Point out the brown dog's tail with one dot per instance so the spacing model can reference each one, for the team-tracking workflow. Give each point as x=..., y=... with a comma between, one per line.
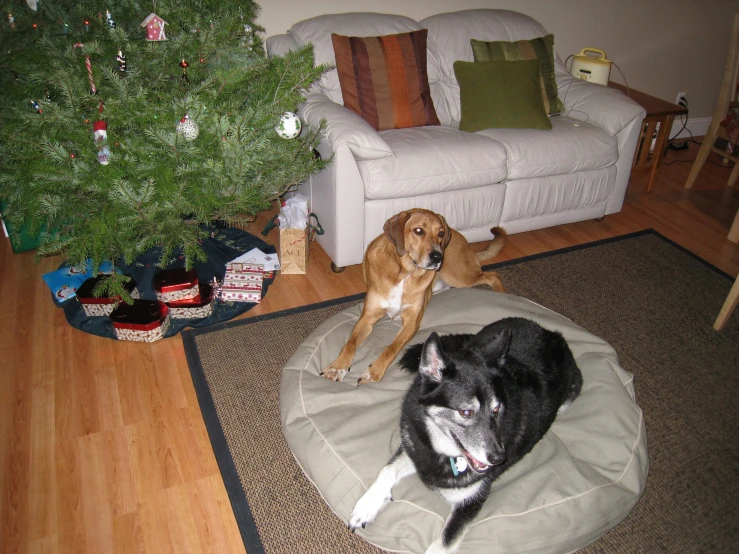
x=495, y=246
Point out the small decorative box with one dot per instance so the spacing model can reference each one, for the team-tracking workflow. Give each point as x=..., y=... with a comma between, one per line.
x=200, y=306
x=142, y=321
x=242, y=292
x=172, y=285
x=103, y=305
x=243, y=266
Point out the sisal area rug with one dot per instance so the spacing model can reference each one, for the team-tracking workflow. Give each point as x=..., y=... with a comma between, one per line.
x=654, y=302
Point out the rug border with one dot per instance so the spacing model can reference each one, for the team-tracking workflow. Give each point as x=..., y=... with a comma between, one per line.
x=237, y=495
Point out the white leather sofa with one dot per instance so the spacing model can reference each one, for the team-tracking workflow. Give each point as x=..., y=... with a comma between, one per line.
x=520, y=179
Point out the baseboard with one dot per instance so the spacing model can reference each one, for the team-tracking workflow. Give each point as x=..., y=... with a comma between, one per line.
x=698, y=126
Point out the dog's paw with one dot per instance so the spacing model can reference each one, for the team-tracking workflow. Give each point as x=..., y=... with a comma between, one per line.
x=367, y=377
x=334, y=374
x=366, y=509
x=437, y=547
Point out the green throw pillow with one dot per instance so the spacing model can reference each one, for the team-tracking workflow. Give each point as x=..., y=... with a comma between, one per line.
x=501, y=95
x=541, y=49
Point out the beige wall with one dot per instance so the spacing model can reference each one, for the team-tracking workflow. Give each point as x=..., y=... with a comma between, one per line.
x=662, y=46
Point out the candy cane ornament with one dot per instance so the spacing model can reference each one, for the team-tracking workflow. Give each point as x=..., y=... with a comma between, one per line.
x=88, y=65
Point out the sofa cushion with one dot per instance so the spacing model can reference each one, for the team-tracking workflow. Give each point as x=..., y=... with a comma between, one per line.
x=384, y=80
x=449, y=41
x=541, y=48
x=501, y=94
x=433, y=159
x=317, y=31
x=570, y=146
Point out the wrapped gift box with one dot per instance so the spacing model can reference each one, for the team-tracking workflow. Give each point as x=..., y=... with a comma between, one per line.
x=243, y=282
x=200, y=306
x=103, y=305
x=142, y=321
x=241, y=292
x=172, y=285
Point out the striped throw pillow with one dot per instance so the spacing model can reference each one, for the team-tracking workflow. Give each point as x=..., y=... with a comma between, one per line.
x=541, y=48
x=384, y=79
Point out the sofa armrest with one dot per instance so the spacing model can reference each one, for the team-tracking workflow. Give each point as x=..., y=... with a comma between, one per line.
x=606, y=107
x=279, y=45
x=344, y=127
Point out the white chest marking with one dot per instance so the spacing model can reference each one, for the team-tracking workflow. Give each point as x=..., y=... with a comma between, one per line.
x=393, y=303
x=461, y=495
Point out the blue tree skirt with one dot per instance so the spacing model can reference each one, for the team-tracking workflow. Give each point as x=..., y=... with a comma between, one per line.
x=221, y=247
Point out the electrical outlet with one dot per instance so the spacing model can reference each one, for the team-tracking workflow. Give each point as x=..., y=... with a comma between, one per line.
x=682, y=99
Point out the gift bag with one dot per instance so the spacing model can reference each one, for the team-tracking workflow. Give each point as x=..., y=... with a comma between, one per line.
x=294, y=250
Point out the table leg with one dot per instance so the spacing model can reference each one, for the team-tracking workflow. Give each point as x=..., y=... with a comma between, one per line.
x=663, y=135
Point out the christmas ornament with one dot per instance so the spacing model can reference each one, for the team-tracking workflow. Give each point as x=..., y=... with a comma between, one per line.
x=184, y=65
x=109, y=19
x=121, y=59
x=87, y=25
x=32, y=4
x=88, y=65
x=100, y=131
x=289, y=126
x=36, y=106
x=188, y=129
x=11, y=20
x=104, y=155
x=154, y=27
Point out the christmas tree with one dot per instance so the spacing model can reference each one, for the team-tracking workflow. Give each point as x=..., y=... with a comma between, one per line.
x=131, y=125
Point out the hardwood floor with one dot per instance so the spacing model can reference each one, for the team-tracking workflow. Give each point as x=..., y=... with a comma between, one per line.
x=102, y=444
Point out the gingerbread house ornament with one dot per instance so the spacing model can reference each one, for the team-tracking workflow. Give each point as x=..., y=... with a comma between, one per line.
x=154, y=27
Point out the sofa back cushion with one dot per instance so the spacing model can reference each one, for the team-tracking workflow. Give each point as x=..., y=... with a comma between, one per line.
x=384, y=80
x=318, y=30
x=449, y=40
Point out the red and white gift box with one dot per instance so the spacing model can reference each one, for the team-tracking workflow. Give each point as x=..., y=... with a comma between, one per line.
x=101, y=305
x=172, y=285
x=142, y=321
x=243, y=282
x=191, y=308
x=241, y=292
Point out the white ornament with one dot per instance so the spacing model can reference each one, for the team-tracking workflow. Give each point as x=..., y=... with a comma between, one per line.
x=104, y=155
x=289, y=126
x=188, y=129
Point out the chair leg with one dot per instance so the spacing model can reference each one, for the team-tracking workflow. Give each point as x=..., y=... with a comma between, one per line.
x=702, y=156
x=728, y=308
x=734, y=231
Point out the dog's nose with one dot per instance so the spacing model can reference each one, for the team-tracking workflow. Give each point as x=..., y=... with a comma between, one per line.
x=496, y=458
x=436, y=257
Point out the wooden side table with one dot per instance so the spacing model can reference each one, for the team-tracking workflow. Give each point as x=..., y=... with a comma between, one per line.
x=660, y=115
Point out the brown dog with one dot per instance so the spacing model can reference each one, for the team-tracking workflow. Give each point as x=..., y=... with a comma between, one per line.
x=401, y=268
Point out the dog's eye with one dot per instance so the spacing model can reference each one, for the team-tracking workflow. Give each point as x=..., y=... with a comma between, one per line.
x=441, y=234
x=466, y=413
x=418, y=231
x=496, y=410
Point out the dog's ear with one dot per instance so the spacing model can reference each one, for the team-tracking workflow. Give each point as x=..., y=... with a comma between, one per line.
x=394, y=229
x=447, y=232
x=498, y=347
x=433, y=360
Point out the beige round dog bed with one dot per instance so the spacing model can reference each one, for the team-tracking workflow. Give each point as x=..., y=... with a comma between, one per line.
x=582, y=479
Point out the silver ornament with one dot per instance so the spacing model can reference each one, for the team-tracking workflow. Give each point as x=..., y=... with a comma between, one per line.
x=188, y=129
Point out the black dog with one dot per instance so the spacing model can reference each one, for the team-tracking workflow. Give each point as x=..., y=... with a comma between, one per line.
x=479, y=403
